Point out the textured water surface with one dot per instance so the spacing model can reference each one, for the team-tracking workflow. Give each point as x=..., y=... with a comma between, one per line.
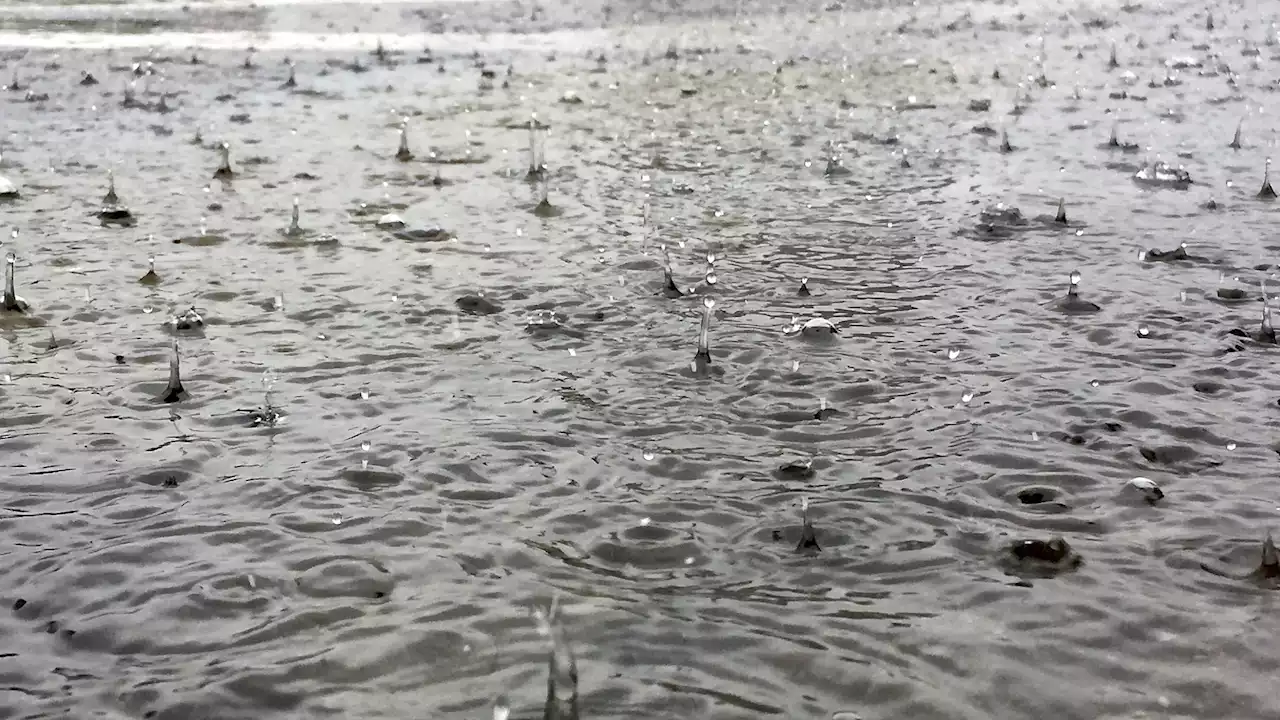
x=438, y=472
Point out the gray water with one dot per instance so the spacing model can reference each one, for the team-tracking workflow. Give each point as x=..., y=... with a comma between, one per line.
x=179, y=561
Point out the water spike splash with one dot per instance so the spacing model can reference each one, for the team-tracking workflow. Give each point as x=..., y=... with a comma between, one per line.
x=702, y=360
x=1267, y=193
x=1114, y=140
x=537, y=150
x=669, y=287
x=562, y=667
x=295, y=229
x=804, y=288
x=1005, y=146
x=1235, y=139
x=173, y=390
x=150, y=278
x=808, y=535
x=224, y=170
x=111, y=198
x=292, y=80
x=12, y=303
x=1061, y=217
x=1113, y=62
x=403, y=154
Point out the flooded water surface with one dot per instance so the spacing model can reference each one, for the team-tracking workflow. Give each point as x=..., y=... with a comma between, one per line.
x=813, y=360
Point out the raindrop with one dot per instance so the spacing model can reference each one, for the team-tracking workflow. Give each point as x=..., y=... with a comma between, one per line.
x=953, y=353
x=1231, y=446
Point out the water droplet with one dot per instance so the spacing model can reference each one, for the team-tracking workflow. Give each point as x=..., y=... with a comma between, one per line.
x=709, y=302
x=364, y=395
x=711, y=278
x=1075, y=277
x=366, y=445
x=1093, y=383
x=7, y=380
x=336, y=519
x=645, y=522
x=795, y=366
x=1182, y=296
x=1231, y=446
x=967, y=396
x=1035, y=436
x=148, y=309
x=1143, y=331
x=953, y=353
x=647, y=455
x=573, y=353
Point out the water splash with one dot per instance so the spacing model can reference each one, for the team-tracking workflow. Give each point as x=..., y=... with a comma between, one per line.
x=150, y=278
x=702, y=359
x=1235, y=139
x=537, y=150
x=12, y=303
x=173, y=390
x=669, y=287
x=562, y=666
x=808, y=534
x=403, y=154
x=224, y=170
x=1266, y=193
x=294, y=229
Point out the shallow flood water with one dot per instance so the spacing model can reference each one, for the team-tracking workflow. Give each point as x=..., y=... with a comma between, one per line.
x=495, y=406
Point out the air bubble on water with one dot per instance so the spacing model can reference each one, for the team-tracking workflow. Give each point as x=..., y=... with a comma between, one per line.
x=148, y=309
x=364, y=392
x=1231, y=446
x=336, y=519
x=1143, y=331
x=647, y=454
x=967, y=396
x=711, y=277
x=953, y=353
x=709, y=302
x=1093, y=383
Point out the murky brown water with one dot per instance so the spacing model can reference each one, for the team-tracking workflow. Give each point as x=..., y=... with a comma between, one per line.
x=174, y=561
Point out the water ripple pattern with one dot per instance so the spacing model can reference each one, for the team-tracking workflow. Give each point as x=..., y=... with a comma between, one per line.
x=398, y=435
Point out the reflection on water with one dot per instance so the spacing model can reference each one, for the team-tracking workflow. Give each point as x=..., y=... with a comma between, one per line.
x=899, y=484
